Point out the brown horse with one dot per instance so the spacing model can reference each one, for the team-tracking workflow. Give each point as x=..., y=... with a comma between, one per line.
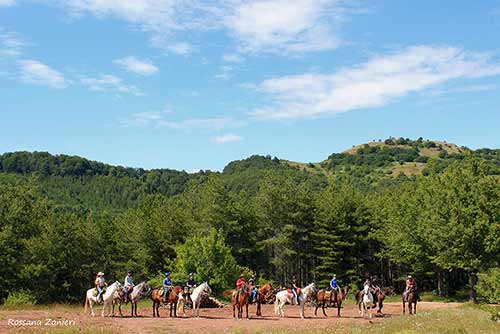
x=411, y=299
x=241, y=299
x=262, y=296
x=326, y=298
x=172, y=299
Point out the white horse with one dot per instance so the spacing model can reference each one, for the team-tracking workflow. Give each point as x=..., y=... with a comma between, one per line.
x=107, y=297
x=367, y=301
x=284, y=297
x=137, y=293
x=197, y=295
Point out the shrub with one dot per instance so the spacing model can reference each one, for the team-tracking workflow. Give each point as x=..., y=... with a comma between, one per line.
x=17, y=298
x=488, y=287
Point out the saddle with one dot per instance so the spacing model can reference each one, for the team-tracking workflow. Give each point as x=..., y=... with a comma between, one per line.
x=95, y=293
x=328, y=294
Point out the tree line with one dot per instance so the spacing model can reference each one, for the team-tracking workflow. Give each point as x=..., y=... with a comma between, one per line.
x=442, y=227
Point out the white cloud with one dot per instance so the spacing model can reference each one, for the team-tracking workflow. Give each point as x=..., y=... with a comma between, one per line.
x=7, y=3
x=232, y=58
x=227, y=138
x=11, y=43
x=33, y=71
x=258, y=25
x=110, y=83
x=181, y=48
x=163, y=119
x=283, y=25
x=225, y=73
x=137, y=66
x=374, y=83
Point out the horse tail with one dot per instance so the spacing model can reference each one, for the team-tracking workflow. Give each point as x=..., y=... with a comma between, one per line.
x=276, y=306
x=227, y=293
x=85, y=304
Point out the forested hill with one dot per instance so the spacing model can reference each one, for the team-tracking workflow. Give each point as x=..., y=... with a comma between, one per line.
x=76, y=181
x=385, y=208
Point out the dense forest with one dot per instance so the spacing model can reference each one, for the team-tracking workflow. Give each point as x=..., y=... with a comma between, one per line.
x=386, y=208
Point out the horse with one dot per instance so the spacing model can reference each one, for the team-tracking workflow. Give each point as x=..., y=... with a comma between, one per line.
x=197, y=295
x=285, y=296
x=411, y=299
x=262, y=295
x=366, y=301
x=134, y=296
x=335, y=299
x=240, y=298
x=172, y=300
x=378, y=297
x=107, y=297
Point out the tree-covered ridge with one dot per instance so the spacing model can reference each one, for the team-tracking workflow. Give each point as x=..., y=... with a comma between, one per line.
x=261, y=214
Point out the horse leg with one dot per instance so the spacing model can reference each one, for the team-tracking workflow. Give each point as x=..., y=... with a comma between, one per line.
x=339, y=306
x=91, y=307
x=404, y=311
x=247, y=310
x=175, y=310
x=323, y=309
x=415, y=308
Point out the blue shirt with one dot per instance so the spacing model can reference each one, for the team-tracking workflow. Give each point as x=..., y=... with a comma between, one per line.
x=333, y=283
x=167, y=282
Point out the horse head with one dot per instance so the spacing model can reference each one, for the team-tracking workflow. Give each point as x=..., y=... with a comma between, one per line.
x=366, y=289
x=205, y=288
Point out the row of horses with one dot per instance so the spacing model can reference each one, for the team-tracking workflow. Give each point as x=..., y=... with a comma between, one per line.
x=366, y=299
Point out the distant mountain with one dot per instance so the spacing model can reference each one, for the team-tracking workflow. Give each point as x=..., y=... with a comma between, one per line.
x=79, y=182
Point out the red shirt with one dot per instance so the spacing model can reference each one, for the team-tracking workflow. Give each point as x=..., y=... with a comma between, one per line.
x=239, y=283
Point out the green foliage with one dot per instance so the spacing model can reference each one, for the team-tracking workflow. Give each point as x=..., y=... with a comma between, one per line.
x=209, y=258
x=488, y=287
x=63, y=219
x=20, y=298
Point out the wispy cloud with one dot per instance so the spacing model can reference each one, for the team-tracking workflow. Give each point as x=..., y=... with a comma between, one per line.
x=227, y=138
x=258, y=25
x=232, y=58
x=374, y=83
x=462, y=90
x=11, y=43
x=110, y=83
x=163, y=119
x=134, y=65
x=283, y=25
x=33, y=71
x=7, y=3
x=225, y=72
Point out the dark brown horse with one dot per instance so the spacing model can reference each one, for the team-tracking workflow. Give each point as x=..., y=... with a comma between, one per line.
x=412, y=300
x=241, y=299
x=326, y=298
x=262, y=297
x=172, y=299
x=378, y=298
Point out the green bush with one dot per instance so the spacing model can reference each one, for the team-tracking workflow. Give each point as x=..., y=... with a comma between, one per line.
x=488, y=287
x=17, y=298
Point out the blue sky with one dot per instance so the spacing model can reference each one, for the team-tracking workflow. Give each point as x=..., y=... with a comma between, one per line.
x=193, y=84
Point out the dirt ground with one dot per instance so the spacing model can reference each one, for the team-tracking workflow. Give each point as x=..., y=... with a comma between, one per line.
x=210, y=321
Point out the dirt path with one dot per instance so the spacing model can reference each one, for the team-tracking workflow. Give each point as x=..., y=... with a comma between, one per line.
x=211, y=320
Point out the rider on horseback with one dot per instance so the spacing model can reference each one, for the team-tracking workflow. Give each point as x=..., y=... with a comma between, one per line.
x=167, y=286
x=294, y=287
x=190, y=285
x=100, y=284
x=253, y=287
x=411, y=284
x=334, y=286
x=128, y=285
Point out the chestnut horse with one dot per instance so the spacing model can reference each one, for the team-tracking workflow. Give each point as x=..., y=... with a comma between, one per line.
x=262, y=295
x=411, y=299
x=333, y=298
x=172, y=299
x=241, y=299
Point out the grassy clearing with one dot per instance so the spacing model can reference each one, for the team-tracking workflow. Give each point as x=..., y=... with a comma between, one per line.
x=460, y=320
